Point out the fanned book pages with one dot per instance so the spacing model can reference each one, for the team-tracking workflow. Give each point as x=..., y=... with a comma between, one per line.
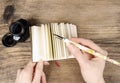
x=46, y=46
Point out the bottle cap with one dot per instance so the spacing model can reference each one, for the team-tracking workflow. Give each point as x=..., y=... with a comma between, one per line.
x=20, y=29
x=16, y=28
x=8, y=40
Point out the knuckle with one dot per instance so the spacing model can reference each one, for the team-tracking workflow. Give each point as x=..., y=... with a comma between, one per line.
x=90, y=41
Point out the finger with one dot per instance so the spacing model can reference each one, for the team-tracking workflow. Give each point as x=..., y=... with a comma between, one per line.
x=38, y=72
x=77, y=53
x=100, y=61
x=87, y=55
x=46, y=63
x=29, y=67
x=18, y=72
x=89, y=44
x=43, y=78
x=28, y=70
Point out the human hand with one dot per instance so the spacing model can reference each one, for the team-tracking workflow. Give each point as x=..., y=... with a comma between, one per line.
x=91, y=67
x=32, y=73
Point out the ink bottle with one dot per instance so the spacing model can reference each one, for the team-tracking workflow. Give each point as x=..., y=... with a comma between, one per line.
x=19, y=32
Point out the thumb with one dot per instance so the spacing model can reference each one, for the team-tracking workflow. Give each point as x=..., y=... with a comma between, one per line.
x=76, y=53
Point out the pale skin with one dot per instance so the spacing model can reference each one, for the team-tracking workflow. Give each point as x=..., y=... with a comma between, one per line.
x=91, y=67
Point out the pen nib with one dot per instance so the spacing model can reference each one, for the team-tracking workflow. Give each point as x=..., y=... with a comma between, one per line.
x=60, y=37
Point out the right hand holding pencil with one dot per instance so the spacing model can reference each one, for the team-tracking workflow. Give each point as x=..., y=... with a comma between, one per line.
x=91, y=67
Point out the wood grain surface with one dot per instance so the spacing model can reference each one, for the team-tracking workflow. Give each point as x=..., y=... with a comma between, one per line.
x=98, y=20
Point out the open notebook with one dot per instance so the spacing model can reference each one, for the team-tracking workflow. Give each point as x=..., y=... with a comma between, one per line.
x=48, y=47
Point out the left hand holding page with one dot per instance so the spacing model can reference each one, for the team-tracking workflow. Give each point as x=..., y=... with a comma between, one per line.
x=31, y=73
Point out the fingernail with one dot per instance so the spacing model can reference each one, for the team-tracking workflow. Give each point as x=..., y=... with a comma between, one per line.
x=47, y=63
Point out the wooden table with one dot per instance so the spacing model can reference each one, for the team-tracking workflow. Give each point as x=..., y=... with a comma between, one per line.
x=98, y=20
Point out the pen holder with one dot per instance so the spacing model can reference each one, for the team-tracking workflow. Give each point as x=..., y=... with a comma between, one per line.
x=19, y=32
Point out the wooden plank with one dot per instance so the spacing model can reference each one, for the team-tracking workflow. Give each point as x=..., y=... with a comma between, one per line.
x=98, y=20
